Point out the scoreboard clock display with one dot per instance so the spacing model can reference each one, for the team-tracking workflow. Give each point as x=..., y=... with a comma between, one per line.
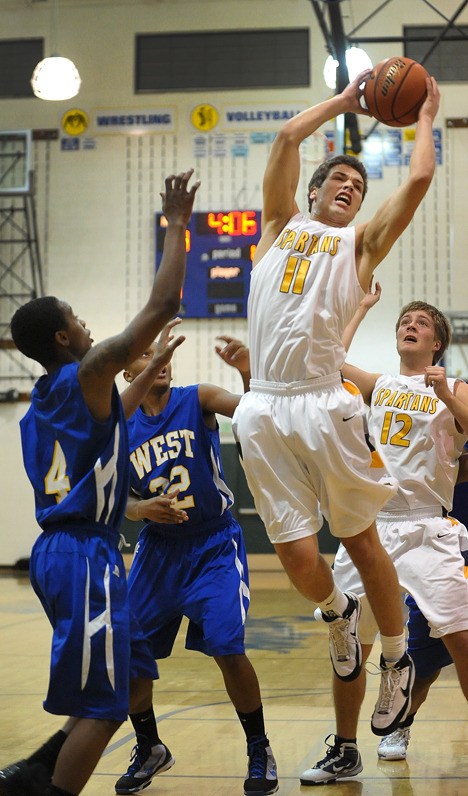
x=220, y=246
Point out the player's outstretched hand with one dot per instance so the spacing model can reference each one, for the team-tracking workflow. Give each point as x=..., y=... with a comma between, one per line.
x=354, y=91
x=431, y=104
x=177, y=200
x=165, y=346
x=372, y=296
x=234, y=353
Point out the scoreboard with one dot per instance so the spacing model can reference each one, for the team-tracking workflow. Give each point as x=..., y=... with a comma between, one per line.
x=220, y=246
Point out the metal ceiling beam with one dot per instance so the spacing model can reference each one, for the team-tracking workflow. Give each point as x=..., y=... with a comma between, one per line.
x=339, y=41
x=329, y=43
x=385, y=39
x=369, y=17
x=442, y=33
x=436, y=10
x=342, y=78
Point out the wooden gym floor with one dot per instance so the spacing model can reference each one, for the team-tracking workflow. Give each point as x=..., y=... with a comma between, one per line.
x=196, y=719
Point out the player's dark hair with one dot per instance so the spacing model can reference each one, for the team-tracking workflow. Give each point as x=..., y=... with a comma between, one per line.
x=443, y=329
x=319, y=176
x=33, y=328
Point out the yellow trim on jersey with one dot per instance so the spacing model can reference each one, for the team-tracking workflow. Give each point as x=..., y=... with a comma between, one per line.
x=351, y=387
x=376, y=461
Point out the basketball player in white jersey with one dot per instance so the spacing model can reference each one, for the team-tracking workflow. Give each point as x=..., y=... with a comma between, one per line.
x=418, y=425
x=299, y=430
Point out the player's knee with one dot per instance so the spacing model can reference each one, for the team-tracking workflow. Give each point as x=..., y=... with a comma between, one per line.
x=230, y=663
x=365, y=549
x=299, y=558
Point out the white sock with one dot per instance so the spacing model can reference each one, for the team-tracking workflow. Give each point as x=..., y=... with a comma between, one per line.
x=393, y=648
x=336, y=603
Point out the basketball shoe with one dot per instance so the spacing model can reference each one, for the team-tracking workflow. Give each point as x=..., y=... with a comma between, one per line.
x=345, y=648
x=23, y=779
x=395, y=745
x=145, y=763
x=342, y=760
x=394, y=698
x=262, y=777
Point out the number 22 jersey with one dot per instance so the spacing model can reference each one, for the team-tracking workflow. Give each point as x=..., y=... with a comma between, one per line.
x=176, y=450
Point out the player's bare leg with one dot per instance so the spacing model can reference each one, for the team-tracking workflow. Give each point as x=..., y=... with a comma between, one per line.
x=308, y=571
x=81, y=753
x=457, y=645
x=242, y=686
x=379, y=578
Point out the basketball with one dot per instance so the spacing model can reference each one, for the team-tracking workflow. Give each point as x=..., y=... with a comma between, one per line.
x=395, y=91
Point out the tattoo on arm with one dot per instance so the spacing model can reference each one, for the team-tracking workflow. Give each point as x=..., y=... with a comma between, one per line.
x=114, y=351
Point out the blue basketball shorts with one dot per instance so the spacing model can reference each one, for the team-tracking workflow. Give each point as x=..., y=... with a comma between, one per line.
x=96, y=644
x=429, y=654
x=203, y=577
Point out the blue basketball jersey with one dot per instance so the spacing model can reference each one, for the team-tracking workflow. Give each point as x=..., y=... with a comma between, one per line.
x=78, y=466
x=176, y=449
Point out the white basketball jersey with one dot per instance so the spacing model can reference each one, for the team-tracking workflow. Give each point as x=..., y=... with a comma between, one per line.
x=303, y=293
x=416, y=438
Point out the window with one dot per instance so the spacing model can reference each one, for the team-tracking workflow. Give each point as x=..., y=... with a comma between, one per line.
x=222, y=60
x=449, y=60
x=18, y=58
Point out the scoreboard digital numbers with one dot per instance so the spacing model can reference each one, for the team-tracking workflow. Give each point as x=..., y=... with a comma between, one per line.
x=220, y=247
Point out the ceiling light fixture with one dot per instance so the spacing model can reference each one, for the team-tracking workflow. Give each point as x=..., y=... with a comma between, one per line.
x=356, y=60
x=55, y=78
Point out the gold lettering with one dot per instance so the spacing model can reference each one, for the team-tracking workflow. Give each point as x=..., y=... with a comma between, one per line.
x=389, y=401
x=187, y=435
x=313, y=245
x=141, y=460
x=334, y=249
x=425, y=403
x=287, y=240
x=380, y=397
x=173, y=444
x=280, y=240
x=160, y=455
x=325, y=243
x=403, y=400
x=300, y=244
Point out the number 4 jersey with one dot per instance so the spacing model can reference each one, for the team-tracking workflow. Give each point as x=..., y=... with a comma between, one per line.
x=417, y=440
x=77, y=465
x=176, y=450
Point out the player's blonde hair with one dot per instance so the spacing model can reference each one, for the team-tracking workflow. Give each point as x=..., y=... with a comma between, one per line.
x=443, y=329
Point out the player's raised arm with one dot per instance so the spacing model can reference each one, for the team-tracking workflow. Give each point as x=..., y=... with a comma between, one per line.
x=138, y=388
x=361, y=378
x=371, y=298
x=236, y=354
x=217, y=400
x=101, y=364
x=283, y=168
x=457, y=401
x=375, y=239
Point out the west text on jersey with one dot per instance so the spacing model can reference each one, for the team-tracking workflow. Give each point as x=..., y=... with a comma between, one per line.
x=162, y=448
